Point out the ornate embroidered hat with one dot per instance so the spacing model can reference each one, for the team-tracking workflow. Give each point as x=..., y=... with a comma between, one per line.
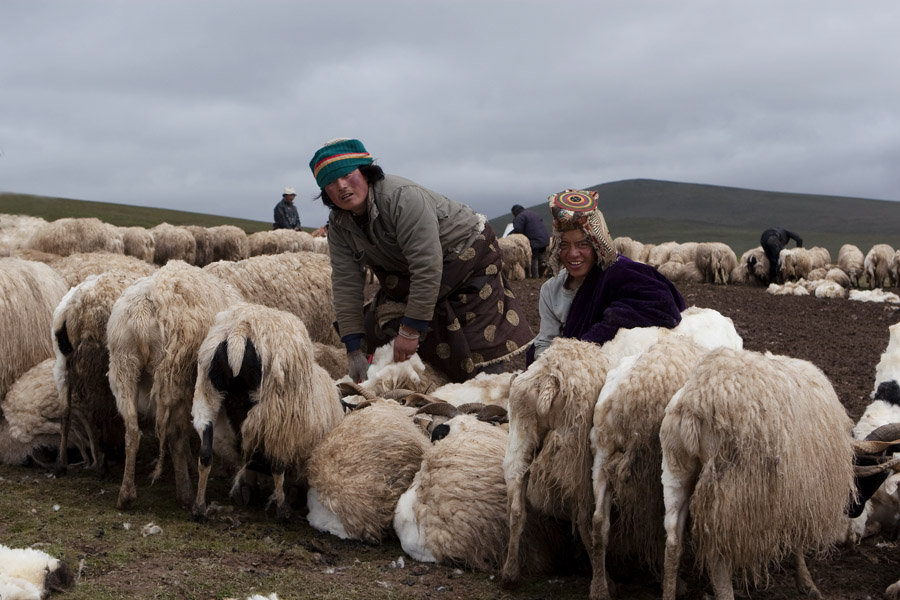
x=577, y=209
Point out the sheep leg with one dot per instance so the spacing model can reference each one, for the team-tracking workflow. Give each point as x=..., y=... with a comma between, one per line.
x=803, y=577
x=128, y=410
x=677, y=490
x=893, y=591
x=62, y=456
x=600, y=537
x=283, y=508
x=720, y=576
x=515, y=466
x=181, y=452
x=204, y=466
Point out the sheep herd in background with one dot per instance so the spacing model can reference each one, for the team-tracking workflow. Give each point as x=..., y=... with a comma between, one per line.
x=113, y=333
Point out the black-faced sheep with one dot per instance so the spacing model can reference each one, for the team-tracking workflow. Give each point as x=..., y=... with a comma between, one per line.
x=154, y=333
x=82, y=363
x=256, y=365
x=878, y=265
x=358, y=472
x=297, y=282
x=30, y=291
x=29, y=574
x=756, y=448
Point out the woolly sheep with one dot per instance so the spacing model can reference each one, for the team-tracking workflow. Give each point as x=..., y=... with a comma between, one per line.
x=229, y=243
x=257, y=363
x=31, y=414
x=877, y=265
x=626, y=246
x=173, y=243
x=454, y=512
x=852, y=262
x=77, y=267
x=715, y=261
x=757, y=265
x=627, y=454
x=660, y=253
x=320, y=246
x=516, y=250
x=756, y=449
x=82, y=363
x=203, y=252
x=358, y=472
x=138, y=242
x=29, y=574
x=794, y=264
x=277, y=241
x=331, y=358
x=70, y=235
x=297, y=282
x=895, y=268
x=16, y=230
x=830, y=289
x=30, y=291
x=154, y=333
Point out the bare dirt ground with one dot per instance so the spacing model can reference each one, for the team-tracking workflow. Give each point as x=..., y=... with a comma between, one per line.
x=239, y=552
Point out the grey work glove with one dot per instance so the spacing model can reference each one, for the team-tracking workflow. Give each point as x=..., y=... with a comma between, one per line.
x=358, y=364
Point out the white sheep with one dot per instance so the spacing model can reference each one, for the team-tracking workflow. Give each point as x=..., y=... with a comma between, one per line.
x=71, y=235
x=257, y=363
x=154, y=333
x=30, y=291
x=228, y=242
x=454, y=512
x=138, y=242
x=82, y=363
x=794, y=264
x=878, y=265
x=29, y=574
x=756, y=264
x=77, y=267
x=29, y=428
x=203, y=252
x=358, y=472
x=659, y=253
x=516, y=250
x=852, y=261
x=296, y=282
x=895, y=268
x=626, y=246
x=756, y=449
x=715, y=261
x=173, y=243
x=15, y=231
x=277, y=241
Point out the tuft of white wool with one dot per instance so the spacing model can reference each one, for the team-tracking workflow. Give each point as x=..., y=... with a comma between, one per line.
x=412, y=374
x=486, y=388
x=876, y=295
x=407, y=527
x=830, y=289
x=26, y=572
x=787, y=289
x=322, y=518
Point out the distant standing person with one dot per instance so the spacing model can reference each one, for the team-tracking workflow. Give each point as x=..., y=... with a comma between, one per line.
x=531, y=225
x=286, y=216
x=773, y=242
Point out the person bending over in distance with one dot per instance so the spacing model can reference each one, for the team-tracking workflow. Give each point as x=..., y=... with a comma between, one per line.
x=442, y=292
x=531, y=225
x=773, y=242
x=597, y=292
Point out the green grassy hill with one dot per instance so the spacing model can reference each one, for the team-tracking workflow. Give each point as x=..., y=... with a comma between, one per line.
x=654, y=211
x=122, y=215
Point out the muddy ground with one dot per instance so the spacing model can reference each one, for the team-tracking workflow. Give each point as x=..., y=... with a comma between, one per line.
x=241, y=552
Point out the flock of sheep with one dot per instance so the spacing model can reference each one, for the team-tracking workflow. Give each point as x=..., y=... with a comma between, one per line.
x=658, y=444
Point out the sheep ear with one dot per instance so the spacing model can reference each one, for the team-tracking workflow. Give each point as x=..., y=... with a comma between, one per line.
x=548, y=393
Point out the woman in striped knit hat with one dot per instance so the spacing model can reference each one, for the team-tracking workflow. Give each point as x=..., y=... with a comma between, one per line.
x=442, y=292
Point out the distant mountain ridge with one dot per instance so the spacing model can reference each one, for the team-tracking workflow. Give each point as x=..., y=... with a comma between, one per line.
x=655, y=211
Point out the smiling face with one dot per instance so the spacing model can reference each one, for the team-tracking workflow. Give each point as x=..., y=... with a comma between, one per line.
x=349, y=192
x=577, y=255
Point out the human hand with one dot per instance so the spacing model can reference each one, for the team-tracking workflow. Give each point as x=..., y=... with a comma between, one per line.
x=405, y=346
x=358, y=366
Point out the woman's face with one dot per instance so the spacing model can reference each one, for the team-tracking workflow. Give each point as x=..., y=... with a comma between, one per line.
x=349, y=192
x=576, y=254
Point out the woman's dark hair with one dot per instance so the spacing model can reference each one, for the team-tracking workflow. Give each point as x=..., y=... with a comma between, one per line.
x=371, y=173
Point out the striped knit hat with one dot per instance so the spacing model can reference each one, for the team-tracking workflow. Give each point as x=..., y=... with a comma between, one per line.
x=577, y=209
x=337, y=158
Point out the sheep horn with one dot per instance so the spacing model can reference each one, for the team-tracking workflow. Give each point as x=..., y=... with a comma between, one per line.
x=398, y=394
x=890, y=431
x=444, y=409
x=471, y=407
x=493, y=413
x=867, y=471
x=348, y=388
x=418, y=399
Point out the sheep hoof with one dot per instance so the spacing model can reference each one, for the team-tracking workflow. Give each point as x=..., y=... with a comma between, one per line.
x=198, y=513
x=60, y=470
x=508, y=582
x=242, y=495
x=284, y=512
x=125, y=500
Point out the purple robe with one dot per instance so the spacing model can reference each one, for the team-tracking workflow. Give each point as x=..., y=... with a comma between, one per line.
x=625, y=295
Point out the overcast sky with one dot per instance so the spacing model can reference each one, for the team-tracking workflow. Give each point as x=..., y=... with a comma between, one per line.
x=215, y=106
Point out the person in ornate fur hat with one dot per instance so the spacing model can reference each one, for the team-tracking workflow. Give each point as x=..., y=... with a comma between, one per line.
x=597, y=291
x=442, y=292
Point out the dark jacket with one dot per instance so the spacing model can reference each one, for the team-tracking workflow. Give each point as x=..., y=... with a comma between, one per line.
x=530, y=224
x=286, y=216
x=779, y=236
